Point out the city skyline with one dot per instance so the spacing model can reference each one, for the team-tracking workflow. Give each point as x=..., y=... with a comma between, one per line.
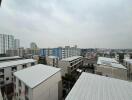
x=53, y=23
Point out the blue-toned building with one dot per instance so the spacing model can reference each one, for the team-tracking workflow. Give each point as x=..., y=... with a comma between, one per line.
x=57, y=52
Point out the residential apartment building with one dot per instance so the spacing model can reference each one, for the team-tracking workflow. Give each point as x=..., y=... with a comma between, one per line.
x=8, y=68
x=52, y=61
x=61, y=52
x=111, y=68
x=46, y=52
x=40, y=82
x=128, y=64
x=96, y=87
x=16, y=43
x=16, y=52
x=6, y=43
x=70, y=65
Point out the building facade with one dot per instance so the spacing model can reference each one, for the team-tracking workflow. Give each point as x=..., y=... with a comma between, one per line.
x=70, y=65
x=52, y=61
x=45, y=85
x=16, y=43
x=111, y=68
x=6, y=43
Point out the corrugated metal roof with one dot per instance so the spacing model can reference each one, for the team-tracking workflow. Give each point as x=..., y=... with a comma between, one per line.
x=13, y=63
x=35, y=75
x=71, y=58
x=95, y=87
x=13, y=57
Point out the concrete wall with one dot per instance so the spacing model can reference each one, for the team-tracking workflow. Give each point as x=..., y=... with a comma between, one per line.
x=48, y=90
x=111, y=72
x=64, y=67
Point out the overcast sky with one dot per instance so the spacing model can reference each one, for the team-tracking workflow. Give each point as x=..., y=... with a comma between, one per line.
x=52, y=23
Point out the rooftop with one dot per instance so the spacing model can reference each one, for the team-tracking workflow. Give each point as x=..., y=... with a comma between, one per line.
x=6, y=58
x=35, y=75
x=95, y=87
x=106, y=61
x=128, y=60
x=53, y=57
x=71, y=58
x=17, y=62
x=118, y=66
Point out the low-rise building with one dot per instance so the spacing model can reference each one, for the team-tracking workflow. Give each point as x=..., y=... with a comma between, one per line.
x=4, y=59
x=40, y=82
x=52, y=61
x=128, y=64
x=96, y=87
x=71, y=64
x=111, y=68
x=8, y=68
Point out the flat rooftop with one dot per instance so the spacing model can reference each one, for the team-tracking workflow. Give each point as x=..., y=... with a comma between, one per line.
x=17, y=62
x=115, y=65
x=104, y=60
x=8, y=58
x=35, y=75
x=71, y=58
x=128, y=60
x=96, y=87
x=52, y=57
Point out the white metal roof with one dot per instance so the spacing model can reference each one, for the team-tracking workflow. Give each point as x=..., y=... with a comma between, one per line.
x=104, y=60
x=17, y=62
x=13, y=57
x=35, y=75
x=118, y=66
x=95, y=87
x=71, y=58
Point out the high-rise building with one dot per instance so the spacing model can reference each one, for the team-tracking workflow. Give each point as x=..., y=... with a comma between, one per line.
x=16, y=43
x=6, y=43
x=33, y=45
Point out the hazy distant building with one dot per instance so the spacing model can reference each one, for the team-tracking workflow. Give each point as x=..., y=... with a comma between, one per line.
x=6, y=43
x=33, y=45
x=16, y=43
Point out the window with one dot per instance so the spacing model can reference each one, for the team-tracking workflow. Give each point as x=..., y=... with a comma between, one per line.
x=7, y=78
x=19, y=83
x=32, y=64
x=26, y=90
x=24, y=66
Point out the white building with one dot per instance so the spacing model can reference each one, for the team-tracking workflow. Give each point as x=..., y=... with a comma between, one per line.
x=40, y=82
x=111, y=68
x=8, y=68
x=96, y=87
x=71, y=64
x=4, y=59
x=6, y=43
x=52, y=61
x=16, y=43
